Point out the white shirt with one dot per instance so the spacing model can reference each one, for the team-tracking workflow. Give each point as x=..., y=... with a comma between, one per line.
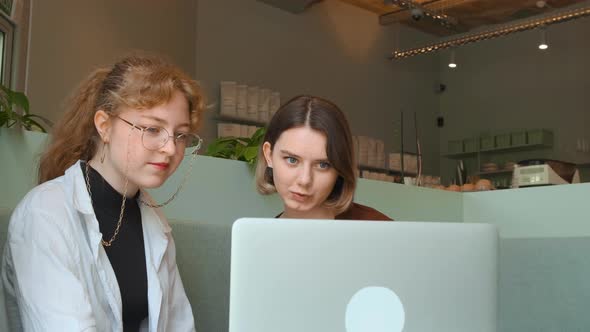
x=56, y=272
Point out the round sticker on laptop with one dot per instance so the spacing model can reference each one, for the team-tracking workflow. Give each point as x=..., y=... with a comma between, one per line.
x=375, y=309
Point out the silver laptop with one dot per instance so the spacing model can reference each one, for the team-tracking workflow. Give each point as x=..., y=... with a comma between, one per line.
x=362, y=276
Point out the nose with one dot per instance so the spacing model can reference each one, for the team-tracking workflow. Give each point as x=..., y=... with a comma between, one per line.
x=305, y=176
x=170, y=147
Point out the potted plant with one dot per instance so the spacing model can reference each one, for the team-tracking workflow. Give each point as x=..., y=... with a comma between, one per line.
x=10, y=103
x=237, y=148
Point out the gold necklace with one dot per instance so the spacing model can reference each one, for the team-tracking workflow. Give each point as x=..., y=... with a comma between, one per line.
x=186, y=174
x=109, y=242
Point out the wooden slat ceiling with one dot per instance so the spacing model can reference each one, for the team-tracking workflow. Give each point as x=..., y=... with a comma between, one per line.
x=465, y=14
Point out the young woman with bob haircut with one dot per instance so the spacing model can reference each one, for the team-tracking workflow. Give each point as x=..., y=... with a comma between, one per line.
x=308, y=159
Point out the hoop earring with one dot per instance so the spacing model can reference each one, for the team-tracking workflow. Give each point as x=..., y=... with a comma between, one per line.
x=104, y=152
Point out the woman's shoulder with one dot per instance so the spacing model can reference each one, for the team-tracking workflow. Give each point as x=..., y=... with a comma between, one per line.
x=47, y=201
x=49, y=195
x=362, y=212
x=55, y=195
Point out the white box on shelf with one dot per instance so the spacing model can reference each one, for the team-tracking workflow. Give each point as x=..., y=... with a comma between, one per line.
x=380, y=153
x=253, y=93
x=263, y=105
x=242, y=101
x=274, y=103
x=372, y=152
x=244, y=130
x=410, y=162
x=228, y=98
x=355, y=149
x=251, y=130
x=228, y=130
x=363, y=142
x=395, y=162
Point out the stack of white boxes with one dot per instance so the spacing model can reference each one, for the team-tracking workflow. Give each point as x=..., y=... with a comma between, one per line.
x=264, y=105
x=235, y=130
x=240, y=102
x=363, y=150
x=410, y=162
x=253, y=93
x=228, y=99
x=370, y=152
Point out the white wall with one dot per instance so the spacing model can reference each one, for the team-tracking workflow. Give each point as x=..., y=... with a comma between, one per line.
x=508, y=83
x=333, y=50
x=70, y=38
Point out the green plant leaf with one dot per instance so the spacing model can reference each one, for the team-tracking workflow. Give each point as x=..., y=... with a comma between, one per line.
x=250, y=153
x=4, y=117
x=11, y=100
x=258, y=136
x=220, y=148
x=239, y=152
x=237, y=148
x=30, y=124
x=20, y=100
x=4, y=105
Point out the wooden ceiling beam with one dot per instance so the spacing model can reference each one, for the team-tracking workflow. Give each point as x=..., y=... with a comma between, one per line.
x=377, y=7
x=402, y=14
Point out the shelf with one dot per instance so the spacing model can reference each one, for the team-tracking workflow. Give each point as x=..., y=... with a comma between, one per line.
x=460, y=155
x=517, y=148
x=500, y=171
x=385, y=170
x=238, y=120
x=513, y=148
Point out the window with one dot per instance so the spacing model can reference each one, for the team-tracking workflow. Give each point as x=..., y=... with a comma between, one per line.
x=6, y=45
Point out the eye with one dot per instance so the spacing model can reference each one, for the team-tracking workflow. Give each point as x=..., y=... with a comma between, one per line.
x=291, y=160
x=324, y=165
x=154, y=131
x=181, y=137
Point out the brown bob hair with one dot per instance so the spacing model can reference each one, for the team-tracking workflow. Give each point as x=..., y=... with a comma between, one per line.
x=137, y=81
x=324, y=116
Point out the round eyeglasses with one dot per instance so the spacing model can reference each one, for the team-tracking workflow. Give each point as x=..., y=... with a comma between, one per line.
x=154, y=138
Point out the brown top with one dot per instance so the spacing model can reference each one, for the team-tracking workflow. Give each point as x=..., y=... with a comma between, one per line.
x=362, y=212
x=359, y=212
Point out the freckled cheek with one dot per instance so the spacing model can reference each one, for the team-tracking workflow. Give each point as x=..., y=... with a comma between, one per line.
x=283, y=177
x=131, y=144
x=175, y=162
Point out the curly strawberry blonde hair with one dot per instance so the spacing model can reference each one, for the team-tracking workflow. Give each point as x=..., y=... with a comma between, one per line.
x=139, y=82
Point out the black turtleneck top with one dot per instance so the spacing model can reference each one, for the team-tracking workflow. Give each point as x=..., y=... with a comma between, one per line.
x=127, y=252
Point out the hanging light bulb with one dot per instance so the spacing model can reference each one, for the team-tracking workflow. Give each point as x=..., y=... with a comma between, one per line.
x=543, y=44
x=452, y=63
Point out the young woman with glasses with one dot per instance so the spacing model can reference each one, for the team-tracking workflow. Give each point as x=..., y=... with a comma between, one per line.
x=87, y=248
x=308, y=159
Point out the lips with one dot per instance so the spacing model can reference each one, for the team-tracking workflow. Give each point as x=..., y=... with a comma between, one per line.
x=160, y=166
x=299, y=197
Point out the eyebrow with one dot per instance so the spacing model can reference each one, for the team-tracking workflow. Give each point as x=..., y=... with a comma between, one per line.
x=296, y=156
x=162, y=121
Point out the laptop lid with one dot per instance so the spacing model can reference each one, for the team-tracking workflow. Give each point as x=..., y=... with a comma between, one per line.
x=353, y=276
